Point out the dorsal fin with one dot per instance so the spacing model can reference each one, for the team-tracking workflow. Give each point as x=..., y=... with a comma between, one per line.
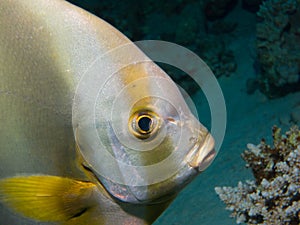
x=47, y=198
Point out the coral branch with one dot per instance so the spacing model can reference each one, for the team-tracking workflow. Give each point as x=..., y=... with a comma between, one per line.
x=274, y=196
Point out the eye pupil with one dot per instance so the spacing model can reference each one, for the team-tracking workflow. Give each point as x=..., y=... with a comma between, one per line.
x=145, y=123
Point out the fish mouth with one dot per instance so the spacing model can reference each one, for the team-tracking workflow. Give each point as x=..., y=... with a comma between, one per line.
x=202, y=153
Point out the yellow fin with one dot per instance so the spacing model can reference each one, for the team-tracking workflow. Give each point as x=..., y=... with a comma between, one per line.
x=47, y=198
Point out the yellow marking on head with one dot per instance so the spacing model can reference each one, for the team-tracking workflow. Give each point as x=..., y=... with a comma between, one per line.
x=139, y=79
x=132, y=73
x=47, y=198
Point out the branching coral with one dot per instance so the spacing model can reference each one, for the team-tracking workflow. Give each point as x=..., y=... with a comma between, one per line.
x=274, y=196
x=278, y=36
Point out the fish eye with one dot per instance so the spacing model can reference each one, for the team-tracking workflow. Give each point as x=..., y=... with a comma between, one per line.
x=143, y=124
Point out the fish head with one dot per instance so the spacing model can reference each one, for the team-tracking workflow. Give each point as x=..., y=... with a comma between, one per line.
x=145, y=144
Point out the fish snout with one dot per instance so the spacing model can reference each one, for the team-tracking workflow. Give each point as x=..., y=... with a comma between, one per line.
x=202, y=153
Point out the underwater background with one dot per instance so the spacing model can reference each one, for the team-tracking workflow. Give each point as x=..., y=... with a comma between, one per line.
x=253, y=48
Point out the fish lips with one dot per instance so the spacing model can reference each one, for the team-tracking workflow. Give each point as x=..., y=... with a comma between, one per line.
x=202, y=153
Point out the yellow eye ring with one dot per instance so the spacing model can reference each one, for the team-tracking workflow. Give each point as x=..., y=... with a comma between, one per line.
x=143, y=124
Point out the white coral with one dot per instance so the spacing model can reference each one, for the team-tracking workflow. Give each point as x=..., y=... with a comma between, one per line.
x=270, y=201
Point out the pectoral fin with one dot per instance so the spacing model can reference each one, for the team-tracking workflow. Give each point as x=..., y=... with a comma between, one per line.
x=47, y=198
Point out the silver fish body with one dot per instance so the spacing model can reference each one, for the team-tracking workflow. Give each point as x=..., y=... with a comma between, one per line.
x=69, y=80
